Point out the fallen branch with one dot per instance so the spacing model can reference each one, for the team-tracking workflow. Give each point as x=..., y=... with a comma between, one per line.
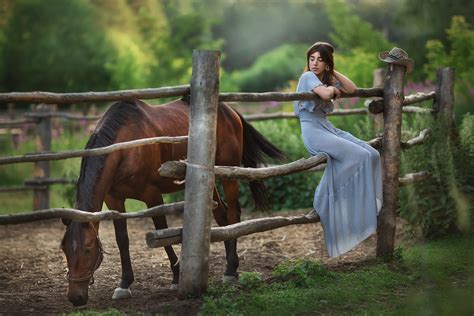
x=92, y=152
x=171, y=236
x=82, y=216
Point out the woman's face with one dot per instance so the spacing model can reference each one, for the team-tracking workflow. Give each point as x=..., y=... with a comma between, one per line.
x=316, y=64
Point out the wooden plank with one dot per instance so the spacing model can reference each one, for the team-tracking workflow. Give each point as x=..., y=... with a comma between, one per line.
x=194, y=263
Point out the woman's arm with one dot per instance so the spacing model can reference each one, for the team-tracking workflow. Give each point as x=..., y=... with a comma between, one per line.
x=347, y=85
x=326, y=93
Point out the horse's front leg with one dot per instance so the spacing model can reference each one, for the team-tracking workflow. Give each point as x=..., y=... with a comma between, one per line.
x=153, y=198
x=231, y=191
x=121, y=237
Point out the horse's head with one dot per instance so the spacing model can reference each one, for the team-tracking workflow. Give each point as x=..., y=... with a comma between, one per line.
x=84, y=254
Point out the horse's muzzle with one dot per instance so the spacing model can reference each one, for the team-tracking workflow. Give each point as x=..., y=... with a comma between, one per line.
x=77, y=296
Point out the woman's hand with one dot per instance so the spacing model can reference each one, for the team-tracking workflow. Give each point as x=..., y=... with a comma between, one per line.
x=337, y=93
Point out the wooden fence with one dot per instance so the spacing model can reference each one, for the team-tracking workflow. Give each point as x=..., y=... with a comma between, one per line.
x=197, y=233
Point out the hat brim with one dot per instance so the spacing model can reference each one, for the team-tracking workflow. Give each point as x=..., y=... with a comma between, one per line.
x=408, y=62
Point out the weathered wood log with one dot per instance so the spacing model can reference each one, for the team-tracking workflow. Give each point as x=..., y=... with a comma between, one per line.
x=418, y=98
x=416, y=177
x=65, y=115
x=393, y=101
x=378, y=82
x=292, y=96
x=92, y=152
x=171, y=236
x=200, y=179
x=14, y=123
x=376, y=106
x=82, y=216
x=42, y=168
x=63, y=98
x=47, y=181
x=291, y=115
x=20, y=188
x=420, y=139
x=444, y=101
x=417, y=109
x=177, y=169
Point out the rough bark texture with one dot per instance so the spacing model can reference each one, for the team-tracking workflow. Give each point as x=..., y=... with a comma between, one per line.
x=92, y=152
x=42, y=168
x=393, y=101
x=194, y=263
x=171, y=236
x=82, y=216
x=49, y=97
x=444, y=100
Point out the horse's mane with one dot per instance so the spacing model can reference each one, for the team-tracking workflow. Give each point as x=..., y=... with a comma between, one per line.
x=104, y=135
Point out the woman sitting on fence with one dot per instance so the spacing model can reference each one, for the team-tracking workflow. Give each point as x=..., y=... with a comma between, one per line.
x=349, y=196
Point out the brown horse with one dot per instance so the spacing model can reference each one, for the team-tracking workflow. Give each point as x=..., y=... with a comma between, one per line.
x=133, y=174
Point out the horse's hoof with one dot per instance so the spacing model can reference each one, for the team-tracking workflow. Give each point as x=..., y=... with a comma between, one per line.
x=120, y=294
x=174, y=287
x=230, y=279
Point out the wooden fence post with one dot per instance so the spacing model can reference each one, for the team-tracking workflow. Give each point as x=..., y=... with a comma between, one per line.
x=194, y=265
x=378, y=82
x=42, y=168
x=392, y=115
x=444, y=98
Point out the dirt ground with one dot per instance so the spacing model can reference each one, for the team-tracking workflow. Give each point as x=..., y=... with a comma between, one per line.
x=33, y=269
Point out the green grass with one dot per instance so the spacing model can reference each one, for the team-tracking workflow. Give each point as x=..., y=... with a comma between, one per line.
x=431, y=279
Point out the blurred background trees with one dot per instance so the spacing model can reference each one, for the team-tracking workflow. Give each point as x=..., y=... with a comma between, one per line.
x=80, y=45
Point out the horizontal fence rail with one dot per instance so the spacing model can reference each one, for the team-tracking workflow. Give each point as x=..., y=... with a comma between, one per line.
x=177, y=169
x=171, y=236
x=66, y=115
x=94, y=151
x=175, y=91
x=376, y=106
x=82, y=216
x=77, y=97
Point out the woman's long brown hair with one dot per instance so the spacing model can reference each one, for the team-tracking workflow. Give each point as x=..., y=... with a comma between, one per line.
x=326, y=52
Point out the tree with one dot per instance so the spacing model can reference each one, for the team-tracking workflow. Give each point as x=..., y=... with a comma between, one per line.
x=53, y=45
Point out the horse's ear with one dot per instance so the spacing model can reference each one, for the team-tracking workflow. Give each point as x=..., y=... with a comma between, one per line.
x=66, y=221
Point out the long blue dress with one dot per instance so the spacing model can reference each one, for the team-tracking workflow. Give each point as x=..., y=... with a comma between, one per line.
x=349, y=196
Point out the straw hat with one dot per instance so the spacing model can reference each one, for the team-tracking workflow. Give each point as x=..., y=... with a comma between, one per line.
x=397, y=56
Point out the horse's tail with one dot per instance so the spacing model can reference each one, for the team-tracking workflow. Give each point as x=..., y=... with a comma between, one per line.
x=105, y=134
x=256, y=148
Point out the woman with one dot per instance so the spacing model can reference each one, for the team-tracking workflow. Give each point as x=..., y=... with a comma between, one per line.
x=349, y=196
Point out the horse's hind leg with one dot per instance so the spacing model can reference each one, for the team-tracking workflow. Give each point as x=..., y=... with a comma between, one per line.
x=231, y=191
x=121, y=237
x=155, y=199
